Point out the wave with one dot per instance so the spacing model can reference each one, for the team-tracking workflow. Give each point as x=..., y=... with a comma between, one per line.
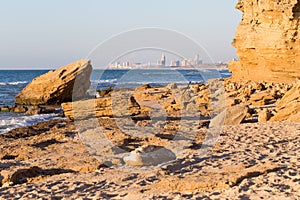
x=104, y=81
x=160, y=73
x=13, y=83
x=9, y=121
x=226, y=73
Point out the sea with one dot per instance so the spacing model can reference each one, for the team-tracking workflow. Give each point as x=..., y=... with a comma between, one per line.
x=13, y=81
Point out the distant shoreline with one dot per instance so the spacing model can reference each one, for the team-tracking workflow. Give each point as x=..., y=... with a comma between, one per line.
x=170, y=68
x=137, y=68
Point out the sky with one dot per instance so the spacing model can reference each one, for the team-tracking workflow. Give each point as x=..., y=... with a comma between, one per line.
x=39, y=34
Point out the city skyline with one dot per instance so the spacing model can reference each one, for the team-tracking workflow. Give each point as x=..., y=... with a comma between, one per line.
x=162, y=62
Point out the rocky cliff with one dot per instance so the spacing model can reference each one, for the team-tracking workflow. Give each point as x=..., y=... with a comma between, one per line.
x=267, y=41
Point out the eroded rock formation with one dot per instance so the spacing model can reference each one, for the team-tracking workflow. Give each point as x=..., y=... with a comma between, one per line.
x=56, y=86
x=267, y=41
x=288, y=108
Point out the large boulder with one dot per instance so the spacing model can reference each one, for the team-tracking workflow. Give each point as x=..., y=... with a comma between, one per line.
x=56, y=87
x=288, y=108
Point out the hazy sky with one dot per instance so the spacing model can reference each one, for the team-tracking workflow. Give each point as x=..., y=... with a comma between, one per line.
x=47, y=34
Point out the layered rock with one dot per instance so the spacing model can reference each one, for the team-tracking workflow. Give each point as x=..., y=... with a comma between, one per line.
x=205, y=101
x=101, y=107
x=288, y=108
x=267, y=41
x=56, y=87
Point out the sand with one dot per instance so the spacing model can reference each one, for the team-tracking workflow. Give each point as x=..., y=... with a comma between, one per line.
x=249, y=161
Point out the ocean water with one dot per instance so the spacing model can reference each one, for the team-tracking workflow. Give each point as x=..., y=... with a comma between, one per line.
x=13, y=81
x=101, y=79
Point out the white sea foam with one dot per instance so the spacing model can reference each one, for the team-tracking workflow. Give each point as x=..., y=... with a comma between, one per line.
x=226, y=73
x=105, y=81
x=14, y=83
x=9, y=121
x=159, y=82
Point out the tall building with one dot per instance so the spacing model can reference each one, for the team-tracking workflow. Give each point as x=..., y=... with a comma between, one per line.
x=184, y=63
x=175, y=63
x=162, y=61
x=197, y=60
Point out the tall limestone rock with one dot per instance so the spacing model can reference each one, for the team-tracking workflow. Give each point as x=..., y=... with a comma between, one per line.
x=56, y=87
x=267, y=41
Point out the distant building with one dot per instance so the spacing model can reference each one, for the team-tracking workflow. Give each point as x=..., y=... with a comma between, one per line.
x=185, y=63
x=126, y=64
x=197, y=60
x=175, y=63
x=162, y=61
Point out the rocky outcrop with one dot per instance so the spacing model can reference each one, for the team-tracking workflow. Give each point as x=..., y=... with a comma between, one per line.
x=255, y=93
x=101, y=107
x=56, y=86
x=197, y=100
x=24, y=175
x=267, y=41
x=288, y=108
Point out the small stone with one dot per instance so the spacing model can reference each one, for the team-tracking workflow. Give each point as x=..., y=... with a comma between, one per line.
x=172, y=86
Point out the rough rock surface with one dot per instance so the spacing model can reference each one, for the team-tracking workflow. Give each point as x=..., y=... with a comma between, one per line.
x=56, y=86
x=198, y=100
x=288, y=108
x=231, y=116
x=101, y=107
x=267, y=41
x=264, y=115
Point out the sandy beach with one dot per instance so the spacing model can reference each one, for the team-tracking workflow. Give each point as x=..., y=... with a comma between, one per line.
x=249, y=161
